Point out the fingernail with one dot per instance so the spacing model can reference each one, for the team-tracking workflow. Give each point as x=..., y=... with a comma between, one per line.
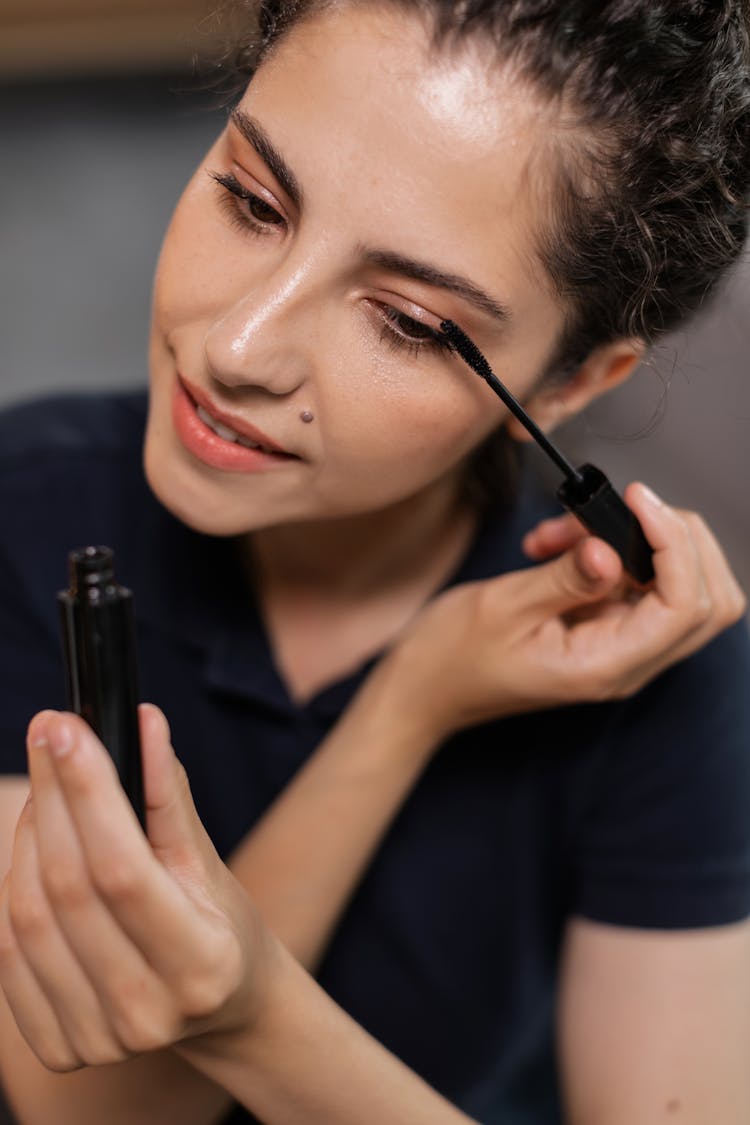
x=651, y=497
x=60, y=739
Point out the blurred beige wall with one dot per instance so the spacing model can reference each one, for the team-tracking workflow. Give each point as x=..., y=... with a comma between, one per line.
x=55, y=38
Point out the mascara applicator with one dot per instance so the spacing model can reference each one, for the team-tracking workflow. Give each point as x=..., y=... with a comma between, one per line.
x=586, y=491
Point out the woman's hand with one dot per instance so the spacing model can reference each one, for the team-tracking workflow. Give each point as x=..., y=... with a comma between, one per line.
x=111, y=944
x=568, y=631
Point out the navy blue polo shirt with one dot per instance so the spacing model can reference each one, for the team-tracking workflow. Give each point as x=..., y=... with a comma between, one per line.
x=635, y=813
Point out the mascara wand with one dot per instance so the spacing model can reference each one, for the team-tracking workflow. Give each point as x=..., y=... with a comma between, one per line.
x=586, y=491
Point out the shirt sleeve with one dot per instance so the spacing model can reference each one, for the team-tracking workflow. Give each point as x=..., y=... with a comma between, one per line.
x=665, y=840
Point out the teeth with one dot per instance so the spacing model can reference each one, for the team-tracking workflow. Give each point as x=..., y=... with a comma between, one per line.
x=217, y=427
x=226, y=432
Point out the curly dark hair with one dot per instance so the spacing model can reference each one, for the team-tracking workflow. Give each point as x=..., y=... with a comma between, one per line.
x=650, y=197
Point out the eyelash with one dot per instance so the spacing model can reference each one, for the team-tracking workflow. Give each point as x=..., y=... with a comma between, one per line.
x=232, y=194
x=392, y=335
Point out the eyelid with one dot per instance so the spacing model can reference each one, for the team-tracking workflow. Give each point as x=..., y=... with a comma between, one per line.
x=257, y=188
x=408, y=308
x=243, y=145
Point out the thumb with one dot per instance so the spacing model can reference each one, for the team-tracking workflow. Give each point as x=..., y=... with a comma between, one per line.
x=586, y=573
x=174, y=829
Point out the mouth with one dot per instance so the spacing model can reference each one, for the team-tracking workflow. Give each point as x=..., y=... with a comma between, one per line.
x=218, y=439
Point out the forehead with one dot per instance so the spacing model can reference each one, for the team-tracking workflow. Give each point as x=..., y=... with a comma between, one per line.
x=408, y=139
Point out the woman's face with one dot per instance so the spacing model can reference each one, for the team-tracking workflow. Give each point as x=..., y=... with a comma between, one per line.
x=365, y=188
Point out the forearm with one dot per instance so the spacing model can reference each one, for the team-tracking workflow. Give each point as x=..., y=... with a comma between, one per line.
x=304, y=859
x=305, y=1062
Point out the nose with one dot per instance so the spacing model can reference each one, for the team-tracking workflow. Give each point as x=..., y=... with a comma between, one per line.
x=263, y=339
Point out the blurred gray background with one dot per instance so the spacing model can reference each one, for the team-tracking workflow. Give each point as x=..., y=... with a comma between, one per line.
x=90, y=167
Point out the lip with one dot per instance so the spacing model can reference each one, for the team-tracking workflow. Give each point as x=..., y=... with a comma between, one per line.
x=207, y=447
x=239, y=425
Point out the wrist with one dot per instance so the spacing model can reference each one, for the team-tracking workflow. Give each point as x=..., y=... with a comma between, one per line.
x=215, y=1050
x=396, y=694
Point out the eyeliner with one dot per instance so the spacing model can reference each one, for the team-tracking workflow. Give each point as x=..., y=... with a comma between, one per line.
x=586, y=491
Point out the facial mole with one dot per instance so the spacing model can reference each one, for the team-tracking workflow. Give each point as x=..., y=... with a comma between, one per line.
x=307, y=415
x=674, y=1105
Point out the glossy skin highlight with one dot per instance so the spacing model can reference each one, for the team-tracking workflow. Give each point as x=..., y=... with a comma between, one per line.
x=291, y=317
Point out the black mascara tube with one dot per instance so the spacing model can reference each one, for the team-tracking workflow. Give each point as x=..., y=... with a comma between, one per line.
x=98, y=640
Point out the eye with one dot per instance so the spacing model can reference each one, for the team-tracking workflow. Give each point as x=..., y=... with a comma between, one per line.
x=246, y=209
x=402, y=331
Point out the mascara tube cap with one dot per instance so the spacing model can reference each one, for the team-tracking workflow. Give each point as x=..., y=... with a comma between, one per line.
x=604, y=513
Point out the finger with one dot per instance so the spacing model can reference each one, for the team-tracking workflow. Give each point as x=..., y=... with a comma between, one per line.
x=726, y=595
x=679, y=576
x=133, y=1002
x=175, y=832
x=585, y=574
x=29, y=1006
x=642, y=641
x=552, y=537
x=153, y=910
x=48, y=957
x=726, y=600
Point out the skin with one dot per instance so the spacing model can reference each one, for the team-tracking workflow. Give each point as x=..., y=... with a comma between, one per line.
x=361, y=528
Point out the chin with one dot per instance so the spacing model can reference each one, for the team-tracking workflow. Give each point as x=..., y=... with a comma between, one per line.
x=190, y=501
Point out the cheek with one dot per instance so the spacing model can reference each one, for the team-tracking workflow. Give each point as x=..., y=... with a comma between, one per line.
x=406, y=421
x=188, y=270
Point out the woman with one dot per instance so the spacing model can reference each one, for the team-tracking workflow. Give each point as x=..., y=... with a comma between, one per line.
x=492, y=802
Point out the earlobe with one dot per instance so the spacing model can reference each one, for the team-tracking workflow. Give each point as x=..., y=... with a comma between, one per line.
x=604, y=369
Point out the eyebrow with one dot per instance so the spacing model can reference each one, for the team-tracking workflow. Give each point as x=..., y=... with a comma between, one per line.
x=255, y=135
x=431, y=275
x=467, y=290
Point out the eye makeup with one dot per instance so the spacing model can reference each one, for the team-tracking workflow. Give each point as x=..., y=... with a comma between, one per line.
x=586, y=491
x=246, y=209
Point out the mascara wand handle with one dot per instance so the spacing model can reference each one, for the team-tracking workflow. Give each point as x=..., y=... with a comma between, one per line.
x=604, y=513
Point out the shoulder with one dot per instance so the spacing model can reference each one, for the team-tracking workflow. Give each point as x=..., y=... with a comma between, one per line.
x=75, y=424
x=70, y=474
x=62, y=455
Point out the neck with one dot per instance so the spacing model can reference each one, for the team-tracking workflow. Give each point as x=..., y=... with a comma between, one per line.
x=365, y=555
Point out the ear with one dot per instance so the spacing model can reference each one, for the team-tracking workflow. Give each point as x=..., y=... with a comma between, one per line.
x=604, y=369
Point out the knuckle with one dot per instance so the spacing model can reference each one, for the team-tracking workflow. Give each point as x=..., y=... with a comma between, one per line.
x=703, y=607
x=117, y=880
x=66, y=884
x=695, y=523
x=202, y=995
x=206, y=990
x=29, y=914
x=142, y=1029
x=60, y=1058
x=592, y=682
x=103, y=1054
